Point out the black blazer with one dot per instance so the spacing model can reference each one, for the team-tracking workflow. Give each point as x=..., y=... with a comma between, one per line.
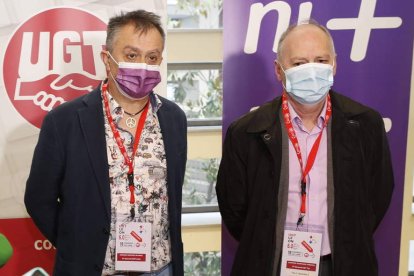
x=68, y=194
x=249, y=176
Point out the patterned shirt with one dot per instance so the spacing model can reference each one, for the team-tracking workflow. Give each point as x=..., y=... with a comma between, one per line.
x=150, y=180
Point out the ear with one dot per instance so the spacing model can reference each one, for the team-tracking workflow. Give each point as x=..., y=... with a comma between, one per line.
x=278, y=71
x=335, y=64
x=105, y=60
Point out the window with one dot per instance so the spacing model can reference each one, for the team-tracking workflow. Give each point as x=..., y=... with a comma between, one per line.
x=198, y=90
x=194, y=82
x=411, y=260
x=199, y=185
x=202, y=263
x=190, y=14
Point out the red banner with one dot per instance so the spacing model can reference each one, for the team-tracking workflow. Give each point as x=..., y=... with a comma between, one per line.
x=31, y=249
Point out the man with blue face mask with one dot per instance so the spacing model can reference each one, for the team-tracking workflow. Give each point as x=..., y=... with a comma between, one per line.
x=305, y=179
x=107, y=173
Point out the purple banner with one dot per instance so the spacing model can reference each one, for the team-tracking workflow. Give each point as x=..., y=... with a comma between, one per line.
x=374, y=46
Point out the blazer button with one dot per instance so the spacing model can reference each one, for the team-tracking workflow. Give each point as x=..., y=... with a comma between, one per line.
x=267, y=136
x=98, y=268
x=105, y=231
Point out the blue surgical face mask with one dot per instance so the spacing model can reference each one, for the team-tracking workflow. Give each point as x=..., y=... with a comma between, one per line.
x=309, y=83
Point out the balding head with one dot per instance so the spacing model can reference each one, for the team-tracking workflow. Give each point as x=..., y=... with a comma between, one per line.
x=303, y=29
x=304, y=43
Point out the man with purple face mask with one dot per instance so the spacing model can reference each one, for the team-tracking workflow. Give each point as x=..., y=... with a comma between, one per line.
x=107, y=173
x=305, y=179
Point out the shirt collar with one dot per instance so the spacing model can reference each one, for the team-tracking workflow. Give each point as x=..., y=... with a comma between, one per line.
x=155, y=102
x=298, y=121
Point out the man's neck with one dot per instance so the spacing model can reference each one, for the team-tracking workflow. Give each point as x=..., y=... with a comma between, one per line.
x=130, y=106
x=308, y=113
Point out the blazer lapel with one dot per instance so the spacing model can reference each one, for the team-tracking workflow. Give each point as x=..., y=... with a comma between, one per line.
x=92, y=123
x=169, y=139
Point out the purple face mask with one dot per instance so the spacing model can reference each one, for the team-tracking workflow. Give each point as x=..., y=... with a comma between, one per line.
x=136, y=80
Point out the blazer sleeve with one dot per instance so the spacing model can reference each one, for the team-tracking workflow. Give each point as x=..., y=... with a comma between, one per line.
x=42, y=187
x=383, y=177
x=185, y=147
x=231, y=186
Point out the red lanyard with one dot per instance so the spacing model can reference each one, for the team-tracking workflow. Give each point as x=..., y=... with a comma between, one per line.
x=312, y=154
x=128, y=160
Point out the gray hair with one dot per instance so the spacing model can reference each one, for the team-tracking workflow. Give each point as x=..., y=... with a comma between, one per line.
x=143, y=21
x=293, y=26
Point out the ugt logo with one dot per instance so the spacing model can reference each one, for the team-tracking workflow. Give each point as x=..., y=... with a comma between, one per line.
x=51, y=58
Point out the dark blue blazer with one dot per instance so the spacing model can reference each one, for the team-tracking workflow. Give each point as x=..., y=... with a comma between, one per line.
x=68, y=193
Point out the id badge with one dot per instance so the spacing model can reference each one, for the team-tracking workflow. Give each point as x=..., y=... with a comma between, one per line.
x=133, y=246
x=301, y=253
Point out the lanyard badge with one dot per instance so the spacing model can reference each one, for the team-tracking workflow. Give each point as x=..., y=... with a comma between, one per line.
x=133, y=246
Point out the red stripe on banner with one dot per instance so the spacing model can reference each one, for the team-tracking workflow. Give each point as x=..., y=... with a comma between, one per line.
x=30, y=248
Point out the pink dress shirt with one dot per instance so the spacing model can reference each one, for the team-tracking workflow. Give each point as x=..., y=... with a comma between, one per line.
x=316, y=188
